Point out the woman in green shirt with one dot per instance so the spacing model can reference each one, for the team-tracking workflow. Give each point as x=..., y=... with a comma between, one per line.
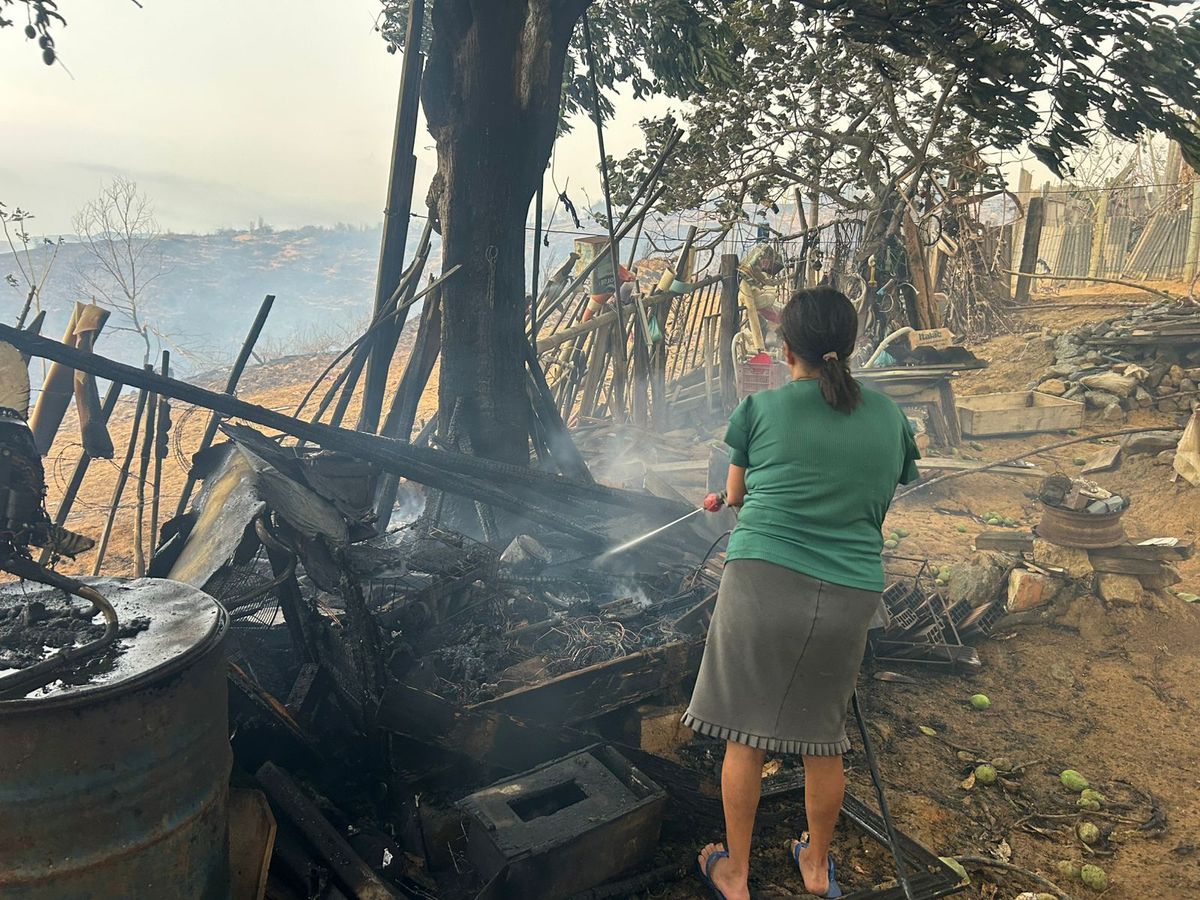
x=814, y=466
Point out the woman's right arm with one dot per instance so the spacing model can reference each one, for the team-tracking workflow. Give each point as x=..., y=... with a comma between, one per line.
x=735, y=486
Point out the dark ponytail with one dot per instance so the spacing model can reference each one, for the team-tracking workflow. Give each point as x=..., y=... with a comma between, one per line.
x=820, y=327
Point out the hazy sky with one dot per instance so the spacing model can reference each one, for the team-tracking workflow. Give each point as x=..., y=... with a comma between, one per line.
x=224, y=111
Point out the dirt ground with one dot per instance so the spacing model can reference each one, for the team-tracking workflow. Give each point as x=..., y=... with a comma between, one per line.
x=1106, y=691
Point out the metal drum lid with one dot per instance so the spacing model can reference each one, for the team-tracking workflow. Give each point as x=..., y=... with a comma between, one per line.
x=181, y=623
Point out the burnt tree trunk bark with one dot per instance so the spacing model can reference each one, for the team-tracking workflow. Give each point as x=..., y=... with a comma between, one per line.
x=491, y=94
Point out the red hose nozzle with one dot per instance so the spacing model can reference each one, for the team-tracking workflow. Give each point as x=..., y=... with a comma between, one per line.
x=714, y=502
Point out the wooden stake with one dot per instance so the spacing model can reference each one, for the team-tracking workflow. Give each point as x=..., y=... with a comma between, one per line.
x=122, y=477
x=139, y=550
x=160, y=453
x=730, y=315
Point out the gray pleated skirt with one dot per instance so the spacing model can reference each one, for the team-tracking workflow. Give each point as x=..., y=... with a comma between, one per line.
x=781, y=661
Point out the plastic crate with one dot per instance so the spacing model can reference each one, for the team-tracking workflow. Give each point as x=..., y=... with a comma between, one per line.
x=761, y=372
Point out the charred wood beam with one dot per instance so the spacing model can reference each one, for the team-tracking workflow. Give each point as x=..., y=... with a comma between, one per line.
x=468, y=476
x=349, y=868
x=235, y=374
x=396, y=219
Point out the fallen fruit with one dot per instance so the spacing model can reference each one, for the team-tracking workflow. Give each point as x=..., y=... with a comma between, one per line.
x=1067, y=869
x=980, y=701
x=993, y=521
x=1090, y=794
x=1010, y=523
x=961, y=529
x=1072, y=780
x=940, y=581
x=891, y=544
x=1094, y=877
x=902, y=532
x=927, y=731
x=1088, y=833
x=1002, y=763
x=985, y=774
x=1090, y=805
x=1079, y=461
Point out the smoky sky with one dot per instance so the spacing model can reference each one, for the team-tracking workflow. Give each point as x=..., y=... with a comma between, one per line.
x=224, y=112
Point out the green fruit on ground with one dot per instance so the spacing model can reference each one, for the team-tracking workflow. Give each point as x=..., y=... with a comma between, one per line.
x=1090, y=794
x=1079, y=461
x=1072, y=780
x=896, y=536
x=1088, y=833
x=891, y=544
x=961, y=529
x=1089, y=805
x=1094, y=877
x=1011, y=523
x=981, y=701
x=993, y=521
x=985, y=774
x=903, y=532
x=1067, y=868
x=940, y=581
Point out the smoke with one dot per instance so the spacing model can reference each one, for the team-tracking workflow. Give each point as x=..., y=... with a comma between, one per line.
x=410, y=503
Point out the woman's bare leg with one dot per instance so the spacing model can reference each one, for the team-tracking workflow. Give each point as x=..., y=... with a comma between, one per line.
x=741, y=787
x=824, y=790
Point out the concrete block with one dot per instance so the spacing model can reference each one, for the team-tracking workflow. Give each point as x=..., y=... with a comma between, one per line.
x=658, y=729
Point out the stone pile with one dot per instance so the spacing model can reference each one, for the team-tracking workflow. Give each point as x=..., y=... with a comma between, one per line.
x=1147, y=359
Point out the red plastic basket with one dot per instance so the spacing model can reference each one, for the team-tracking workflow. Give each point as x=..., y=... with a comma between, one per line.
x=761, y=373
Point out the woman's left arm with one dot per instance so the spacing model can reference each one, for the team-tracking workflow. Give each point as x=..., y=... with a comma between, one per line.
x=735, y=486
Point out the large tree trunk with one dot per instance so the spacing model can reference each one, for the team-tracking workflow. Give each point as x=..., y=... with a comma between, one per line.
x=491, y=95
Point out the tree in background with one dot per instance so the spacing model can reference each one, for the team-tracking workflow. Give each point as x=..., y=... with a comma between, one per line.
x=500, y=76
x=119, y=231
x=859, y=106
x=31, y=275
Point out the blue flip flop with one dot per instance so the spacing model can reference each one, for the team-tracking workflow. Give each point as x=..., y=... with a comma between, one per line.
x=834, y=889
x=706, y=872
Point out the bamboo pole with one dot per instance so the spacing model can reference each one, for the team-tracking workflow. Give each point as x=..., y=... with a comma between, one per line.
x=139, y=536
x=235, y=375
x=395, y=222
x=160, y=453
x=122, y=478
x=1193, y=246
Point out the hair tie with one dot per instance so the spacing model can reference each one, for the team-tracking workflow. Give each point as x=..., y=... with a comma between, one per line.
x=831, y=355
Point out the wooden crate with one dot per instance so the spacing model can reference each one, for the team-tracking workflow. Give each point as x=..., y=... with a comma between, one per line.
x=1021, y=412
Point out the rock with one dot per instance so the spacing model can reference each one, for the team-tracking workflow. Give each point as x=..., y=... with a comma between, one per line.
x=1176, y=374
x=1143, y=398
x=1187, y=385
x=1029, y=589
x=979, y=579
x=1166, y=458
x=1100, y=399
x=525, y=556
x=1072, y=560
x=1122, y=590
x=1166, y=576
x=1113, y=413
x=1054, y=386
x=1150, y=443
x=1110, y=382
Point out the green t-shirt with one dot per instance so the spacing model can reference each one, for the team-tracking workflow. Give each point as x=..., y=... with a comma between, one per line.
x=818, y=482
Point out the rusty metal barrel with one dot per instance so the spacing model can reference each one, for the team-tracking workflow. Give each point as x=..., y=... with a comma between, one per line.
x=114, y=781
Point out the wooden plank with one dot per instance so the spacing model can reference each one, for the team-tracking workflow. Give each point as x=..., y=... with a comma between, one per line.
x=1117, y=565
x=346, y=865
x=939, y=464
x=601, y=688
x=1183, y=550
x=1102, y=461
x=1005, y=541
